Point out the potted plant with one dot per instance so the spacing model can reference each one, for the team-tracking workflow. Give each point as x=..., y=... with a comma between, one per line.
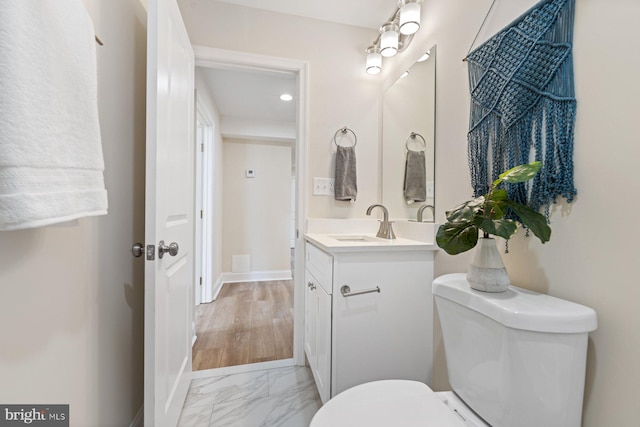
x=493, y=214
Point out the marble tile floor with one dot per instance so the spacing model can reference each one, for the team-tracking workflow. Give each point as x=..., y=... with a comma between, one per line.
x=277, y=397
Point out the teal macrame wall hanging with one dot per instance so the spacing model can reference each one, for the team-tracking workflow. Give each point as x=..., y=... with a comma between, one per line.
x=523, y=104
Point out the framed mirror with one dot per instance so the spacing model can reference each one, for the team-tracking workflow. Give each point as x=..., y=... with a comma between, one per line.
x=408, y=128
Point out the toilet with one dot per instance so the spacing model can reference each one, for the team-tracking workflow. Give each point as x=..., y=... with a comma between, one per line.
x=515, y=359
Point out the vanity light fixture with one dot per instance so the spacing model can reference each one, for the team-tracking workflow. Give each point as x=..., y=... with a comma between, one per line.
x=389, y=39
x=409, y=16
x=395, y=34
x=374, y=60
x=286, y=97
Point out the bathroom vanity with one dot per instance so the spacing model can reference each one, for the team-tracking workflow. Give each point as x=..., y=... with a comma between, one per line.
x=368, y=310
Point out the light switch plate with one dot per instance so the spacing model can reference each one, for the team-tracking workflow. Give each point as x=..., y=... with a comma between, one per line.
x=323, y=186
x=430, y=189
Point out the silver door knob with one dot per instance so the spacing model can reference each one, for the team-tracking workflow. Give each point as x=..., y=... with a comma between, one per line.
x=137, y=250
x=172, y=249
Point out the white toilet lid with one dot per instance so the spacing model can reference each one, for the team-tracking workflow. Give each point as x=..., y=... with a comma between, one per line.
x=386, y=403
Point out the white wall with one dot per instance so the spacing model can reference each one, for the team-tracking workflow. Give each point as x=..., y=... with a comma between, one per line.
x=340, y=92
x=592, y=256
x=71, y=297
x=256, y=211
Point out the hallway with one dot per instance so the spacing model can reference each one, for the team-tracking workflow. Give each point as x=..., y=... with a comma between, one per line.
x=249, y=322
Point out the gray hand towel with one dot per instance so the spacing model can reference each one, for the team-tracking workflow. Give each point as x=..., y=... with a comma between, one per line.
x=415, y=187
x=346, y=183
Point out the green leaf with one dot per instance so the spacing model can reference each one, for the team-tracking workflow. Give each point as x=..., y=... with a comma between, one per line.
x=501, y=227
x=465, y=211
x=499, y=195
x=457, y=237
x=495, y=210
x=520, y=173
x=534, y=221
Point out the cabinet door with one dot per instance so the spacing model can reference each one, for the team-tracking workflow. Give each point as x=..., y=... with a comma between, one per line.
x=310, y=319
x=323, y=344
x=385, y=335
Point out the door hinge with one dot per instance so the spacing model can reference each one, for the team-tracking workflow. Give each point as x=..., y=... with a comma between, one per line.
x=151, y=252
x=200, y=281
x=201, y=214
x=202, y=147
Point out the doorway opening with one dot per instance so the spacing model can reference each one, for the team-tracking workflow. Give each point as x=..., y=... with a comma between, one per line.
x=251, y=309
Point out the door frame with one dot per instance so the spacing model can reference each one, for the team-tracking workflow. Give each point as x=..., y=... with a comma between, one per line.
x=221, y=58
x=204, y=167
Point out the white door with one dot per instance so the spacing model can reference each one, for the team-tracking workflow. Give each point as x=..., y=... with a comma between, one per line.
x=169, y=214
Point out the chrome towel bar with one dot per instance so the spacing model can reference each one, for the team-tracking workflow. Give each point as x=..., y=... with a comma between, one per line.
x=346, y=291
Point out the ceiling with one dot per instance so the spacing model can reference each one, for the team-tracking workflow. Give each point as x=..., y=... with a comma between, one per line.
x=361, y=13
x=255, y=95
x=251, y=94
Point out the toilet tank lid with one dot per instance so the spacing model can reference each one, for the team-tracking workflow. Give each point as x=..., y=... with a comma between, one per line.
x=518, y=308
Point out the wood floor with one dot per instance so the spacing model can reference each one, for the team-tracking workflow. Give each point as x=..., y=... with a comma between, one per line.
x=249, y=322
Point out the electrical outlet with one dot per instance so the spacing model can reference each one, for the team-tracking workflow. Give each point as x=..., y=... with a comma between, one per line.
x=323, y=187
x=430, y=189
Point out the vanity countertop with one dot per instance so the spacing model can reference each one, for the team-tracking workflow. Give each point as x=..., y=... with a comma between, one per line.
x=365, y=242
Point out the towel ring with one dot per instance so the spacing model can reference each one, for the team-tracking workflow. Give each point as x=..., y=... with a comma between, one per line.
x=344, y=130
x=413, y=136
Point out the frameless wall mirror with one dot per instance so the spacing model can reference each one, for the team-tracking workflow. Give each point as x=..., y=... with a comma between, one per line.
x=408, y=128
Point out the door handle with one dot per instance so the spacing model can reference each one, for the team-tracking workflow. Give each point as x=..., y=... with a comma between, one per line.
x=137, y=250
x=172, y=249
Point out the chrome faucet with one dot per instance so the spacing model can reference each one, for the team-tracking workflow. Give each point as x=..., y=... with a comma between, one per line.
x=385, y=231
x=422, y=208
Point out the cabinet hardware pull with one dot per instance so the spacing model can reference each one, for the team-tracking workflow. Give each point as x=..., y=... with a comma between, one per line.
x=346, y=291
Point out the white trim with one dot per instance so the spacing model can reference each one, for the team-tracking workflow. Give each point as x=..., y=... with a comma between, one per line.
x=193, y=331
x=138, y=420
x=256, y=276
x=204, y=161
x=215, y=289
x=221, y=58
x=253, y=276
x=241, y=369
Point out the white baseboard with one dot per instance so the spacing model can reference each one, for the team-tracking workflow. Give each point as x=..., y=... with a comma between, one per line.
x=251, y=276
x=216, y=288
x=138, y=420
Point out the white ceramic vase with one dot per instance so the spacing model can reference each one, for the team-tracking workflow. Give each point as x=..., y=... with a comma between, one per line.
x=486, y=272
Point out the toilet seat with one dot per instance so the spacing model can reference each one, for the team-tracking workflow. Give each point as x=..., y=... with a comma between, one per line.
x=386, y=403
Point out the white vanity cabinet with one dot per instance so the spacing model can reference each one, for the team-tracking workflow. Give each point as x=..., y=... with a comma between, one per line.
x=317, y=329
x=370, y=334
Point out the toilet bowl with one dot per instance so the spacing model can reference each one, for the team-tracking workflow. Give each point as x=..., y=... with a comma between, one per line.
x=515, y=359
x=395, y=403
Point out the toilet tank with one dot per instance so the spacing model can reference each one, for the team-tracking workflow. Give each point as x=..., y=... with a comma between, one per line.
x=517, y=358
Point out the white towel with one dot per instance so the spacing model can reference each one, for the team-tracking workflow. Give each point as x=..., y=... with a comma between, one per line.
x=51, y=165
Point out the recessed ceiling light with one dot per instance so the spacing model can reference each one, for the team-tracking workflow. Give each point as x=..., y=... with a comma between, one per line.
x=405, y=74
x=286, y=97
